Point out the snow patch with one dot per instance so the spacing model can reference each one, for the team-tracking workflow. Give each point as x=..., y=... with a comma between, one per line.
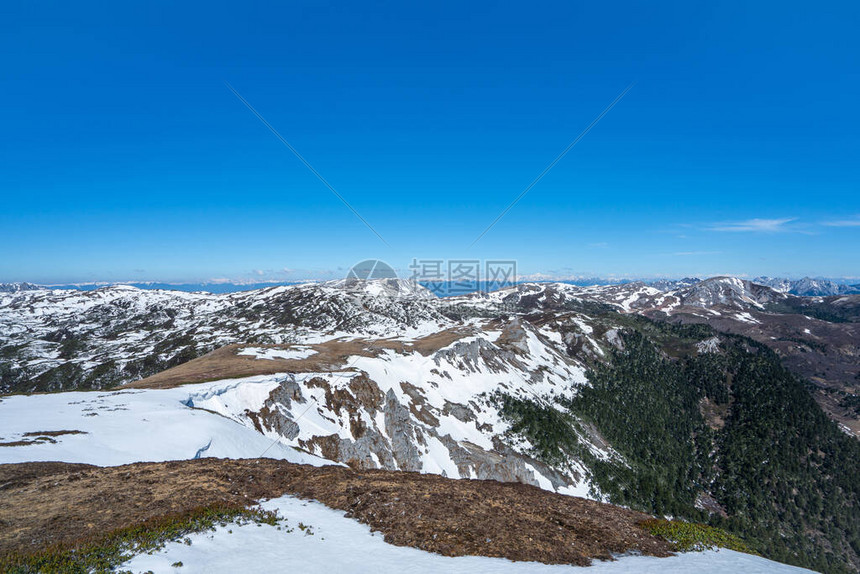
x=339, y=544
x=711, y=345
x=151, y=425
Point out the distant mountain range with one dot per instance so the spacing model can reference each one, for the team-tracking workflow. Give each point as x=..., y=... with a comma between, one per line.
x=808, y=287
x=205, y=287
x=805, y=287
x=16, y=287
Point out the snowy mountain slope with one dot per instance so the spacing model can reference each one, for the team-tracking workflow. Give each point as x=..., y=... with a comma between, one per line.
x=399, y=409
x=727, y=291
x=673, y=284
x=721, y=294
x=126, y=426
x=378, y=377
x=16, y=287
x=440, y=397
x=52, y=340
x=334, y=543
x=420, y=395
x=818, y=337
x=404, y=410
x=424, y=403
x=807, y=287
x=65, y=339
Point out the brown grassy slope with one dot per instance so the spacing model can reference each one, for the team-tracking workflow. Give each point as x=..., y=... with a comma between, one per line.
x=55, y=503
x=225, y=363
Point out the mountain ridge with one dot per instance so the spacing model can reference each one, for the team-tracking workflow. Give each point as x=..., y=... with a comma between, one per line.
x=806, y=286
x=519, y=384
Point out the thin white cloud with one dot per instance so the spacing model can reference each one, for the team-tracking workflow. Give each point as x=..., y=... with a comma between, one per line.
x=599, y=245
x=756, y=225
x=843, y=222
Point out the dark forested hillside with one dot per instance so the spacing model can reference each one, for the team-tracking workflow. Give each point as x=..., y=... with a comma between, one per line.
x=731, y=431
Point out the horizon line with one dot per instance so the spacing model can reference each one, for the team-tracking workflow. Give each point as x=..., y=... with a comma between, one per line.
x=527, y=278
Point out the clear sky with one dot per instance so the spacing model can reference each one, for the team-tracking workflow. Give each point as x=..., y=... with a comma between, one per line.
x=124, y=156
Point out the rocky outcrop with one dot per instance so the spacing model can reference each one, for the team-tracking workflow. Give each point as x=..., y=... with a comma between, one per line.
x=407, y=425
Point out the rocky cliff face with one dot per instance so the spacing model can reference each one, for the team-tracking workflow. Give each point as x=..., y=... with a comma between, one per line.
x=426, y=404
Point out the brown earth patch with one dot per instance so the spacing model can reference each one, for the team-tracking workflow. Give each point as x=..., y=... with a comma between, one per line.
x=56, y=503
x=432, y=343
x=39, y=437
x=20, y=442
x=715, y=415
x=53, y=433
x=225, y=363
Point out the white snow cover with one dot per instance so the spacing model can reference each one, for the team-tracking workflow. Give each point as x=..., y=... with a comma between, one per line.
x=339, y=544
x=465, y=372
x=746, y=318
x=388, y=371
x=711, y=345
x=140, y=321
x=149, y=425
x=210, y=419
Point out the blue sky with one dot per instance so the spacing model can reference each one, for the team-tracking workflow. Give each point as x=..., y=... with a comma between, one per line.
x=124, y=155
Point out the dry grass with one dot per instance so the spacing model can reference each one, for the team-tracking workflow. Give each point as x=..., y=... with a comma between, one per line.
x=225, y=363
x=57, y=505
x=432, y=343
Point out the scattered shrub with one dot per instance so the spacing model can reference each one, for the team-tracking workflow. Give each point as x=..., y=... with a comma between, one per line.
x=105, y=553
x=689, y=536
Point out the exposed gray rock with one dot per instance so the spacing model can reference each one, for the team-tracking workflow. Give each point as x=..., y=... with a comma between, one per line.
x=403, y=435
